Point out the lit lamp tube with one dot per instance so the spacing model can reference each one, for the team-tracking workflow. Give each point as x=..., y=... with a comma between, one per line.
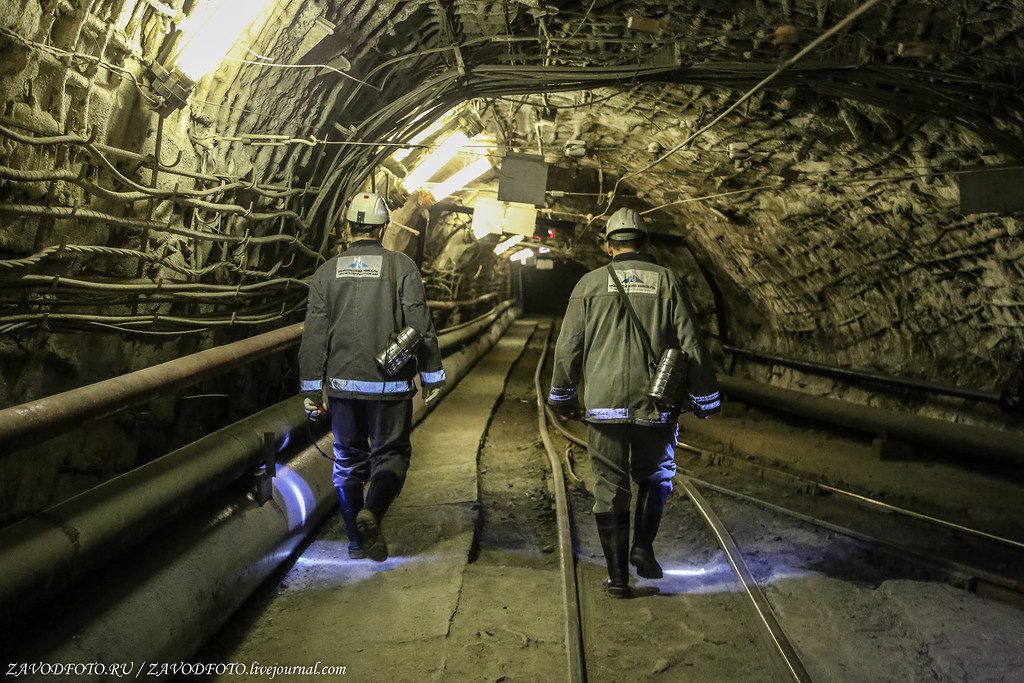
x=420, y=137
x=211, y=32
x=461, y=179
x=433, y=163
x=508, y=244
x=521, y=255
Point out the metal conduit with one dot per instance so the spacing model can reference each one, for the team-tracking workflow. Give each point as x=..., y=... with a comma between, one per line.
x=978, y=443
x=45, y=553
x=864, y=375
x=54, y=415
x=59, y=413
x=457, y=336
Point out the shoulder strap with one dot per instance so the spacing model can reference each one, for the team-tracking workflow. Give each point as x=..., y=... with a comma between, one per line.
x=652, y=358
x=391, y=273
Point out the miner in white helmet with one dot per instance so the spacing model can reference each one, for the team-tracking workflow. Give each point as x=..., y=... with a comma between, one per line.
x=368, y=300
x=630, y=436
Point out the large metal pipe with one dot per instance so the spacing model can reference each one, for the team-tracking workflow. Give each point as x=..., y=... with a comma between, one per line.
x=452, y=305
x=867, y=376
x=978, y=443
x=53, y=415
x=183, y=584
x=45, y=552
x=457, y=336
x=164, y=600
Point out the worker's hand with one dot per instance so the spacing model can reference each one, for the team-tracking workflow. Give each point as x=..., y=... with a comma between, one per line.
x=314, y=410
x=567, y=409
x=431, y=396
x=432, y=393
x=705, y=414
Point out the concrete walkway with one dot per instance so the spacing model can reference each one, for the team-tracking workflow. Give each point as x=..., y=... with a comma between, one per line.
x=385, y=621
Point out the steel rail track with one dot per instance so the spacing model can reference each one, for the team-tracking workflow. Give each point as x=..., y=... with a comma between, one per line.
x=861, y=499
x=766, y=616
x=960, y=574
x=866, y=501
x=965, y=576
x=566, y=555
x=577, y=667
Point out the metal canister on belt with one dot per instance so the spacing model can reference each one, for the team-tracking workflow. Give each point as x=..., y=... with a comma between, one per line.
x=668, y=384
x=399, y=351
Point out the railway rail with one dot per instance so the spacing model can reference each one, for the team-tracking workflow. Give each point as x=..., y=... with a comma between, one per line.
x=958, y=574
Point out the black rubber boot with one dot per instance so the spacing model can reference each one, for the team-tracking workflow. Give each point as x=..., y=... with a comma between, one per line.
x=650, y=505
x=384, y=488
x=613, y=529
x=350, y=497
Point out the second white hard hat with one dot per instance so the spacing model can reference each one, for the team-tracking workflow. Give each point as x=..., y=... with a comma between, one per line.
x=368, y=209
x=625, y=224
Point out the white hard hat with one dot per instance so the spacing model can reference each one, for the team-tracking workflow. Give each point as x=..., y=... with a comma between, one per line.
x=625, y=224
x=369, y=209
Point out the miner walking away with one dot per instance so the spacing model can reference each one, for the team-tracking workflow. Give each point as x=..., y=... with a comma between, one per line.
x=609, y=348
x=366, y=302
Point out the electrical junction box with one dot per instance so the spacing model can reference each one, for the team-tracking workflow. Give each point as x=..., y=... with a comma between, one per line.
x=493, y=217
x=991, y=190
x=545, y=264
x=523, y=179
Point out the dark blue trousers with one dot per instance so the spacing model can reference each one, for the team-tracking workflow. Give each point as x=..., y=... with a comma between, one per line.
x=370, y=437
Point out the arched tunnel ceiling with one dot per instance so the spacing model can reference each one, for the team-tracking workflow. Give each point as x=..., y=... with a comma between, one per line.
x=838, y=239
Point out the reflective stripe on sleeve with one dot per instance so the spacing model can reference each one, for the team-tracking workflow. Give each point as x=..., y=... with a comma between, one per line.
x=562, y=393
x=713, y=399
x=361, y=387
x=433, y=377
x=312, y=385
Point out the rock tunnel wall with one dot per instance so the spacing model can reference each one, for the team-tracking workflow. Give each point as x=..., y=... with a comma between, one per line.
x=852, y=251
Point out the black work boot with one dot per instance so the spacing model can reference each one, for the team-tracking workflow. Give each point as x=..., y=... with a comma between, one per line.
x=613, y=529
x=650, y=505
x=384, y=488
x=350, y=496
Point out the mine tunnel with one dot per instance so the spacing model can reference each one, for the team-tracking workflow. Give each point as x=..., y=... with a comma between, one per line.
x=512, y=340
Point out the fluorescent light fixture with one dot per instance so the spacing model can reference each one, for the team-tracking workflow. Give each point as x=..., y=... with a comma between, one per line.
x=461, y=179
x=421, y=136
x=521, y=255
x=452, y=145
x=210, y=33
x=491, y=217
x=508, y=244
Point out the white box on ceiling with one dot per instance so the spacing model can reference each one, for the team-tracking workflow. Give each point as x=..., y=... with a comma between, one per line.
x=491, y=217
x=545, y=264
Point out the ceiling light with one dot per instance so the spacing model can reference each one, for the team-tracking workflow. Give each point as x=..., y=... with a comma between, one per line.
x=522, y=255
x=508, y=244
x=461, y=179
x=452, y=145
x=421, y=136
x=210, y=33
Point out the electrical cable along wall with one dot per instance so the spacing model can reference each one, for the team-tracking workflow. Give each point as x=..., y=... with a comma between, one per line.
x=823, y=206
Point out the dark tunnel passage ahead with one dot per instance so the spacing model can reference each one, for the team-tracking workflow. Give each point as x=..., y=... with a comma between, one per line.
x=546, y=292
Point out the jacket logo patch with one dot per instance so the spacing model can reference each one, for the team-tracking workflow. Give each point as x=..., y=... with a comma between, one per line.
x=635, y=281
x=360, y=266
